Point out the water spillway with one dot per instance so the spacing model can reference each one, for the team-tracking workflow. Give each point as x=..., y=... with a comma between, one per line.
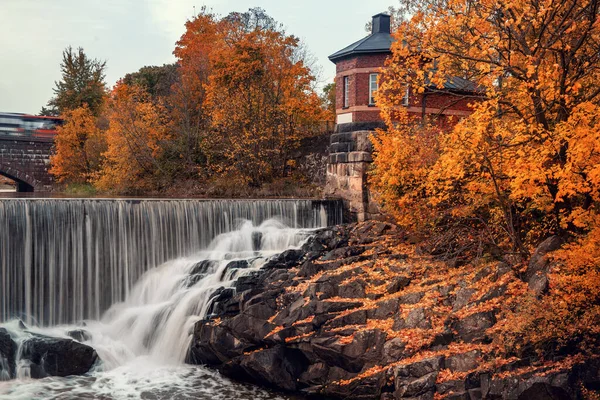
x=65, y=260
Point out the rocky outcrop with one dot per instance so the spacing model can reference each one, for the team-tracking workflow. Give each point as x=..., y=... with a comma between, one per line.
x=50, y=356
x=357, y=314
x=8, y=351
x=46, y=356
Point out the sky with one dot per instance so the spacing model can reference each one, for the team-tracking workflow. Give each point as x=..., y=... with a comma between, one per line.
x=130, y=34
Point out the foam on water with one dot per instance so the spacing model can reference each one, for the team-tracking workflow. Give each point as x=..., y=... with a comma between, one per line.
x=143, y=340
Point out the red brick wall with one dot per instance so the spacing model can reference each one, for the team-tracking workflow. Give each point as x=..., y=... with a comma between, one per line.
x=359, y=91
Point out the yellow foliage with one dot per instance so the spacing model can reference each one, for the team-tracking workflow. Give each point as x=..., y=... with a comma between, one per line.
x=138, y=128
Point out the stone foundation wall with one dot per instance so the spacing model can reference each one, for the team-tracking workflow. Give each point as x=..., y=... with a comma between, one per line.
x=349, y=161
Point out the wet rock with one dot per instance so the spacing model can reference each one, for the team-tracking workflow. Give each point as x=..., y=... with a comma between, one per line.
x=278, y=366
x=81, y=335
x=8, y=350
x=57, y=357
x=214, y=345
x=471, y=329
x=287, y=259
x=250, y=281
x=256, y=240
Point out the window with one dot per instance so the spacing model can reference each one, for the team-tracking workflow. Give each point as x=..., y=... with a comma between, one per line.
x=406, y=95
x=373, y=86
x=346, y=91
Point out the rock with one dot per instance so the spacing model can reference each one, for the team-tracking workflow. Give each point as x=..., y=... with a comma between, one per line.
x=393, y=350
x=471, y=329
x=288, y=259
x=278, y=366
x=398, y=284
x=250, y=281
x=492, y=294
x=411, y=298
x=539, y=265
x=423, y=386
x=353, y=290
x=462, y=298
x=344, y=252
x=8, y=351
x=57, y=356
x=81, y=335
x=354, y=318
x=554, y=386
x=463, y=362
x=214, y=345
x=256, y=240
x=385, y=309
x=417, y=319
x=419, y=368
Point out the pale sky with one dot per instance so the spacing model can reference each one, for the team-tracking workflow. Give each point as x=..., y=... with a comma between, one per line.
x=130, y=34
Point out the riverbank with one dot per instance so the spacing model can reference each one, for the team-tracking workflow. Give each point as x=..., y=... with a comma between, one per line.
x=360, y=313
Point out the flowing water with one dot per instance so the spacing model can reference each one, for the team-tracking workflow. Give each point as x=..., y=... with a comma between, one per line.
x=137, y=309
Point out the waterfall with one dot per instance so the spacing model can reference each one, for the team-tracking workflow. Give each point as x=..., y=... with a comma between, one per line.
x=68, y=260
x=143, y=338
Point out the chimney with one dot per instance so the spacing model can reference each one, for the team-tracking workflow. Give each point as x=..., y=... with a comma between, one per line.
x=381, y=23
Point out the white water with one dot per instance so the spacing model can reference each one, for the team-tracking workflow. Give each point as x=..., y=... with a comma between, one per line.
x=65, y=260
x=143, y=340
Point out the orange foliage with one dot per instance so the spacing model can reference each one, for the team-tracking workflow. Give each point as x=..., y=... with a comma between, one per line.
x=524, y=165
x=261, y=102
x=79, y=145
x=138, y=128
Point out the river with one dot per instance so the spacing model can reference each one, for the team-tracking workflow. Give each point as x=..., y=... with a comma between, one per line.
x=135, y=275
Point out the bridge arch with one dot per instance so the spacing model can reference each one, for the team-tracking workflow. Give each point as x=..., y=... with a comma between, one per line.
x=26, y=159
x=25, y=182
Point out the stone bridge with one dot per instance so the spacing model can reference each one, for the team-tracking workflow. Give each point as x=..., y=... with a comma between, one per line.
x=26, y=159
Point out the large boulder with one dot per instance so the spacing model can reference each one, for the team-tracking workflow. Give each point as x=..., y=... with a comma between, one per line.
x=278, y=366
x=57, y=356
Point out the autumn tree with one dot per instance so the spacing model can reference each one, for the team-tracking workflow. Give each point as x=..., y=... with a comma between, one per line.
x=524, y=165
x=82, y=83
x=78, y=147
x=138, y=130
x=260, y=98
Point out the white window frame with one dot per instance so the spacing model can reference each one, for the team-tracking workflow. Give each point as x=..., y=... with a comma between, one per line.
x=373, y=88
x=406, y=96
x=346, y=102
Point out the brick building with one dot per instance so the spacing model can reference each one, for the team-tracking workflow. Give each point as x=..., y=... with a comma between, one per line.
x=357, y=115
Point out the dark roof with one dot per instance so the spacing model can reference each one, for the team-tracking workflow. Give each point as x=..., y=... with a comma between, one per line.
x=379, y=41
x=458, y=84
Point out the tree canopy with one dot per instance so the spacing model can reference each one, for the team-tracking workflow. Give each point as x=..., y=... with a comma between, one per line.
x=524, y=165
x=82, y=83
